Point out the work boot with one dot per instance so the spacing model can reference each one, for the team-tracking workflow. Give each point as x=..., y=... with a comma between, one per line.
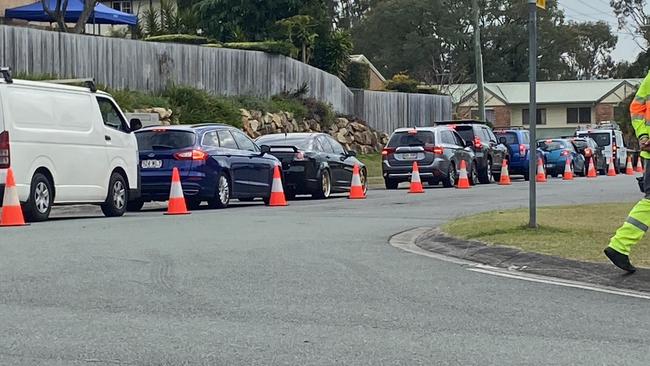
x=620, y=260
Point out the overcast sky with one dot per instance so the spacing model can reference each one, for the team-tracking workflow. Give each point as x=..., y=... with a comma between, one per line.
x=592, y=10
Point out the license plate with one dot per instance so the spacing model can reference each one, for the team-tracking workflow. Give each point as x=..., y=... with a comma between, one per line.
x=409, y=156
x=151, y=164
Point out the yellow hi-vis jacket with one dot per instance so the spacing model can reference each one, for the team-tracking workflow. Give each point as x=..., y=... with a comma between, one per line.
x=640, y=112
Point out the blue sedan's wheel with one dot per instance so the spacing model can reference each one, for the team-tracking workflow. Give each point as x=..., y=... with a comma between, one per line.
x=222, y=193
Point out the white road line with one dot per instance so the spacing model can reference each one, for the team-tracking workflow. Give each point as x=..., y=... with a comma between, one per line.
x=557, y=282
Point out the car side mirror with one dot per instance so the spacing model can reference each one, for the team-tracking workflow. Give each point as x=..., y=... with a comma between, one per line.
x=135, y=124
x=502, y=140
x=352, y=153
x=265, y=149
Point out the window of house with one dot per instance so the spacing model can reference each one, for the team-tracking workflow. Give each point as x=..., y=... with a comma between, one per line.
x=490, y=115
x=578, y=115
x=541, y=116
x=124, y=6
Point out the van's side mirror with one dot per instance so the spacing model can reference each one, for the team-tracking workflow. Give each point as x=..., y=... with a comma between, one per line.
x=135, y=124
x=265, y=149
x=502, y=140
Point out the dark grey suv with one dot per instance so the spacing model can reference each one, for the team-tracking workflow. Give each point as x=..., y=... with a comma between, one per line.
x=437, y=150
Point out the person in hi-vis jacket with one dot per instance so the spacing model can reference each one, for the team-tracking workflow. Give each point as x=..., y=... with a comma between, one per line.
x=637, y=222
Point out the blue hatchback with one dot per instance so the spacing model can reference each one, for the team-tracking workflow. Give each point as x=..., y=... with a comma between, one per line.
x=518, y=143
x=216, y=163
x=556, y=154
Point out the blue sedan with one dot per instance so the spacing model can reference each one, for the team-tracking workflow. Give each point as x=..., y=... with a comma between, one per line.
x=216, y=163
x=556, y=152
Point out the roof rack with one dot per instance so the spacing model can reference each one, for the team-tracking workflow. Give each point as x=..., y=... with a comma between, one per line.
x=460, y=121
x=605, y=125
x=88, y=82
x=6, y=74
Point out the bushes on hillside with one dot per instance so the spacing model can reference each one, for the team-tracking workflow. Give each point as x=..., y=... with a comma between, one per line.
x=196, y=106
x=178, y=38
x=275, y=47
x=402, y=83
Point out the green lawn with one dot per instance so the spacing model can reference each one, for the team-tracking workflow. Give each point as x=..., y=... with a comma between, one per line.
x=577, y=232
x=373, y=164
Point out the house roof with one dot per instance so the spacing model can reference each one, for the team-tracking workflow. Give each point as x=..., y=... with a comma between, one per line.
x=548, y=92
x=364, y=59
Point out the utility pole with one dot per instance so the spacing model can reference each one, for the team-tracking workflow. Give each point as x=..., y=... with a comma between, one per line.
x=479, y=61
x=532, y=110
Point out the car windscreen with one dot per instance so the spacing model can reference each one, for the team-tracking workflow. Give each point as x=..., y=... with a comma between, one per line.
x=466, y=132
x=602, y=138
x=302, y=143
x=552, y=145
x=511, y=137
x=164, y=139
x=408, y=138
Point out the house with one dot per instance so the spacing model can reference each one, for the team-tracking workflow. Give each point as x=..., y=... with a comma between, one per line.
x=377, y=80
x=561, y=105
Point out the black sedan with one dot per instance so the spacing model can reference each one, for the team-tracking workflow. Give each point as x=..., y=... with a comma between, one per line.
x=313, y=163
x=590, y=149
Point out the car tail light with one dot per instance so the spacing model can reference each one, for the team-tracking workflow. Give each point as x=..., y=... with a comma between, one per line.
x=522, y=149
x=387, y=151
x=191, y=155
x=5, y=157
x=438, y=150
x=299, y=156
x=477, y=143
x=565, y=153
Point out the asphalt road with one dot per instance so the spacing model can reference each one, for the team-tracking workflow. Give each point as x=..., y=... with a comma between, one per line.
x=315, y=283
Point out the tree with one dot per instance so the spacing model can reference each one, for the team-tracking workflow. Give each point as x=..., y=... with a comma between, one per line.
x=299, y=29
x=332, y=52
x=633, y=11
x=59, y=11
x=590, y=57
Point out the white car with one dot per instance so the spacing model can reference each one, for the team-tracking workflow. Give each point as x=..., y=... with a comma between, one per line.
x=609, y=137
x=66, y=145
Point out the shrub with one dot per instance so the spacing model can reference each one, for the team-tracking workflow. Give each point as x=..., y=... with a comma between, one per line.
x=358, y=75
x=295, y=106
x=320, y=110
x=178, y=38
x=275, y=47
x=332, y=53
x=197, y=106
x=402, y=83
x=213, y=45
x=131, y=100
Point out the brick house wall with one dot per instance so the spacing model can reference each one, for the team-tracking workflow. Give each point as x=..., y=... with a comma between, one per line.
x=604, y=112
x=502, y=117
x=375, y=82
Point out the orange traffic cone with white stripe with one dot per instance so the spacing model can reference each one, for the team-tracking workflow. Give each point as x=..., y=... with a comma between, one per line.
x=611, y=172
x=12, y=215
x=463, y=181
x=568, y=172
x=629, y=170
x=277, y=192
x=505, y=175
x=541, y=172
x=591, y=173
x=356, y=189
x=639, y=166
x=416, y=182
x=176, y=205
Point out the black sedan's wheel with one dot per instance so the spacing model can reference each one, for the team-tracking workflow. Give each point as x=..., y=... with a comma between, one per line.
x=221, y=197
x=325, y=187
x=364, y=180
x=450, y=180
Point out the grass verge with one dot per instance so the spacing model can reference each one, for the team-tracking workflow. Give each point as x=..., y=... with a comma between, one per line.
x=373, y=164
x=575, y=232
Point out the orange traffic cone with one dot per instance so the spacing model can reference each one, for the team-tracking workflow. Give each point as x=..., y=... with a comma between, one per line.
x=568, y=173
x=611, y=172
x=356, y=189
x=505, y=175
x=639, y=166
x=463, y=181
x=629, y=170
x=12, y=215
x=277, y=192
x=541, y=172
x=176, y=204
x=416, y=183
x=592, y=169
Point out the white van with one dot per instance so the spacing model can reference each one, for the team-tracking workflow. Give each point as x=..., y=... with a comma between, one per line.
x=66, y=145
x=607, y=135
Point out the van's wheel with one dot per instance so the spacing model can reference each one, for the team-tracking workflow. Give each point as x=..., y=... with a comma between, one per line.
x=222, y=194
x=40, y=200
x=116, y=201
x=135, y=205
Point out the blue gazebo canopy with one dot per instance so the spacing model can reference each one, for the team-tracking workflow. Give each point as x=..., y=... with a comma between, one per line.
x=101, y=15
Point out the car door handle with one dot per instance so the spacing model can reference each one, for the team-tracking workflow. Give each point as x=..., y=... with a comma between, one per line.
x=107, y=138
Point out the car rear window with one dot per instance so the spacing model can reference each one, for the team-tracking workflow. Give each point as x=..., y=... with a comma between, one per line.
x=552, y=145
x=466, y=132
x=602, y=138
x=580, y=144
x=302, y=143
x=164, y=139
x=511, y=137
x=408, y=138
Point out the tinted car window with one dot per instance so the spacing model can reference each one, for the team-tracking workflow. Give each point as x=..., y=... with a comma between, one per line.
x=164, y=139
x=317, y=146
x=338, y=149
x=485, y=134
x=525, y=137
x=457, y=139
x=243, y=141
x=302, y=143
x=511, y=137
x=552, y=145
x=601, y=138
x=466, y=132
x=210, y=139
x=581, y=144
x=404, y=138
x=226, y=140
x=327, y=147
